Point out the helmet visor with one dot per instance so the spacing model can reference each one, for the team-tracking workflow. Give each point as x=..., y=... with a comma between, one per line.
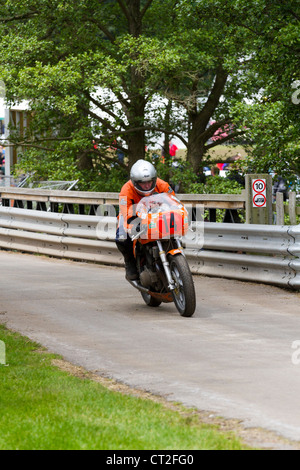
x=145, y=187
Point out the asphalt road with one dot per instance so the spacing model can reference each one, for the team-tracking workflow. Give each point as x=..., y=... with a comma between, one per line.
x=234, y=357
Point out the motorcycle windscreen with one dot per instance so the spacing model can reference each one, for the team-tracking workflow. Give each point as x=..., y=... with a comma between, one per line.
x=163, y=217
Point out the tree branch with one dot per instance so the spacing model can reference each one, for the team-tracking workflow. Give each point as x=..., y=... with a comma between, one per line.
x=102, y=107
x=105, y=123
x=124, y=9
x=31, y=145
x=25, y=16
x=294, y=14
x=214, y=96
x=209, y=132
x=155, y=129
x=103, y=29
x=225, y=139
x=148, y=4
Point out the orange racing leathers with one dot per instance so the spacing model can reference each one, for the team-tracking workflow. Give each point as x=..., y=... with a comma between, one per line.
x=128, y=200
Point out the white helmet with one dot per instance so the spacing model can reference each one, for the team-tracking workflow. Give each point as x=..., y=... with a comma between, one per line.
x=142, y=172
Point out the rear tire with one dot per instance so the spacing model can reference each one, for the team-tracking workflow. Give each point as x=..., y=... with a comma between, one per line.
x=150, y=301
x=184, y=295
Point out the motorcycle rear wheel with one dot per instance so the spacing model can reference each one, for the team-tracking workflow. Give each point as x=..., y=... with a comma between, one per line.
x=150, y=301
x=184, y=294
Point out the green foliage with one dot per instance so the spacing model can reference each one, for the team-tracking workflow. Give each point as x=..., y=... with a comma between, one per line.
x=181, y=175
x=108, y=177
x=189, y=182
x=233, y=64
x=216, y=185
x=273, y=138
x=111, y=176
x=272, y=119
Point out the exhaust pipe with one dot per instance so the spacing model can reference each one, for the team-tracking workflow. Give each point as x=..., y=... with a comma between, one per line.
x=138, y=286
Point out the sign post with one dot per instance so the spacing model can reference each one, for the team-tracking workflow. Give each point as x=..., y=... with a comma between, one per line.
x=259, y=199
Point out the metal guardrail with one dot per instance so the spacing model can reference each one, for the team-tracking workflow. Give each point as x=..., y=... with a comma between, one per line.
x=60, y=235
x=257, y=253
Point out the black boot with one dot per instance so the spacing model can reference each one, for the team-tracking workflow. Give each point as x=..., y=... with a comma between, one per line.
x=130, y=264
x=131, y=271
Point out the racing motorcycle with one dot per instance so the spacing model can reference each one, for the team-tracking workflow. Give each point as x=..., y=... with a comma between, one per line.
x=164, y=273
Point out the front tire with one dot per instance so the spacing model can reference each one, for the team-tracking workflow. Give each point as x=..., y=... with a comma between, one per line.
x=184, y=294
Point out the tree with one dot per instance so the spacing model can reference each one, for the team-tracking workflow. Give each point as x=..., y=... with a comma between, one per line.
x=207, y=79
x=59, y=55
x=276, y=138
x=92, y=69
x=80, y=66
x=272, y=113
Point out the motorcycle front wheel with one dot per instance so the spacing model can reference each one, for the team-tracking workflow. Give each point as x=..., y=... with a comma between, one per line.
x=184, y=294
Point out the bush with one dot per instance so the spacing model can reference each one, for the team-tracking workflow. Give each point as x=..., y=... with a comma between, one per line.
x=110, y=177
x=216, y=185
x=101, y=178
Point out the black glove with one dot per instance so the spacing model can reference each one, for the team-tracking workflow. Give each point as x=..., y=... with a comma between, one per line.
x=136, y=227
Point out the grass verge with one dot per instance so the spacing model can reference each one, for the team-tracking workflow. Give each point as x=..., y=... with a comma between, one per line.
x=45, y=408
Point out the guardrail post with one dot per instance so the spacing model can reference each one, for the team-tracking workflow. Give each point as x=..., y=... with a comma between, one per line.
x=279, y=209
x=292, y=207
x=259, y=199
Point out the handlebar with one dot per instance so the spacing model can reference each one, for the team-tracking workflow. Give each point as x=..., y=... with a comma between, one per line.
x=138, y=234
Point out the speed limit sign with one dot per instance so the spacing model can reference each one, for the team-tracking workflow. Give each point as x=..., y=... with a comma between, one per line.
x=258, y=198
x=259, y=193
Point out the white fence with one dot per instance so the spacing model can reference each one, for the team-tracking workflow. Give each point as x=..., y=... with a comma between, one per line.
x=257, y=253
x=87, y=202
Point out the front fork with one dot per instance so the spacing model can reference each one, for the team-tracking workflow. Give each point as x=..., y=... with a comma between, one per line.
x=164, y=260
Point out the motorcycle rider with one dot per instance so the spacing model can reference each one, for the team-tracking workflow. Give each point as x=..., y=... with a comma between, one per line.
x=143, y=182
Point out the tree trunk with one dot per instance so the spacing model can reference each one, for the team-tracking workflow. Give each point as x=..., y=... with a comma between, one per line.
x=137, y=102
x=195, y=151
x=85, y=160
x=136, y=147
x=199, y=121
x=166, y=147
x=136, y=115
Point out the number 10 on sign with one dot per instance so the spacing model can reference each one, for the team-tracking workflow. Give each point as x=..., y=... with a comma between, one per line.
x=259, y=193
